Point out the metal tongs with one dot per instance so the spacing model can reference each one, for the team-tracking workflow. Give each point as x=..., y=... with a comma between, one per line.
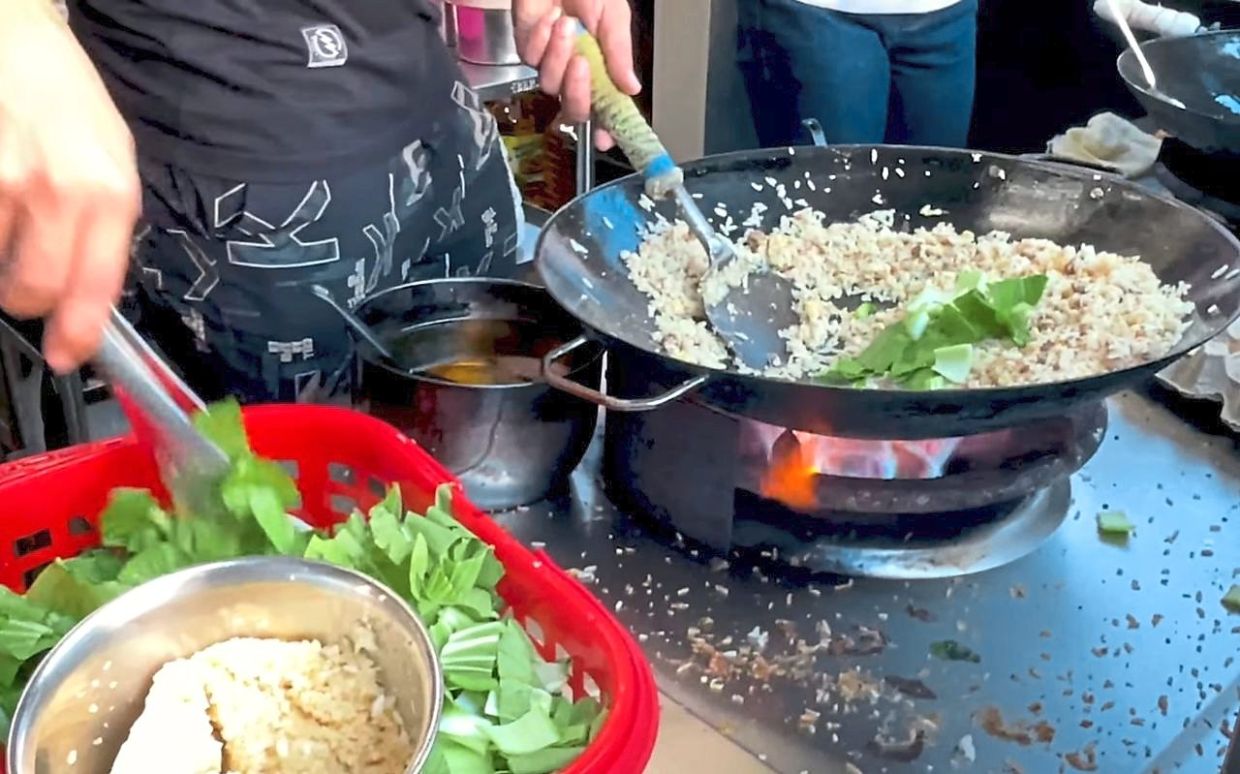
x=158, y=404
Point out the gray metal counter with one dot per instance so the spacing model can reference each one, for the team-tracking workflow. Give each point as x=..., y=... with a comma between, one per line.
x=1123, y=654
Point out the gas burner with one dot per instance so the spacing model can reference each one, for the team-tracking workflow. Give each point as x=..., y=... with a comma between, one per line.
x=900, y=509
x=1204, y=180
x=815, y=474
x=903, y=546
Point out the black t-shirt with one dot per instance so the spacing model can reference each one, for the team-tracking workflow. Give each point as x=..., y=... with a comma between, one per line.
x=270, y=90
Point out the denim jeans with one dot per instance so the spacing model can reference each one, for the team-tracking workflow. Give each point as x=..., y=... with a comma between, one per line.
x=867, y=78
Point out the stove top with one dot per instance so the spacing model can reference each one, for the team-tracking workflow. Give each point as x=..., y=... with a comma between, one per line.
x=1123, y=650
x=891, y=509
x=901, y=546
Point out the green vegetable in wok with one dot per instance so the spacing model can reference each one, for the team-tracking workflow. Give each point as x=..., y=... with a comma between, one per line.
x=506, y=709
x=932, y=346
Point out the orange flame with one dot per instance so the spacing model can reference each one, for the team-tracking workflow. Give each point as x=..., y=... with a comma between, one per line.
x=790, y=480
x=797, y=460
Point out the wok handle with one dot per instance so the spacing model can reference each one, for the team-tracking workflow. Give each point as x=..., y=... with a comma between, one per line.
x=623, y=405
x=618, y=114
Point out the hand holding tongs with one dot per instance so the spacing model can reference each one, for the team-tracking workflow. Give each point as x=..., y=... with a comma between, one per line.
x=155, y=399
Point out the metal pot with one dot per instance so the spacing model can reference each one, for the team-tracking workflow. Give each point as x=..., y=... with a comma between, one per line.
x=469, y=388
x=85, y=695
x=483, y=31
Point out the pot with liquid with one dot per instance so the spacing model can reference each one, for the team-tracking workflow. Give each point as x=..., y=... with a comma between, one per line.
x=467, y=384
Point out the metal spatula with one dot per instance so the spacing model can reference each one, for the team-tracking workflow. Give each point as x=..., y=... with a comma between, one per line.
x=1121, y=19
x=748, y=317
x=158, y=403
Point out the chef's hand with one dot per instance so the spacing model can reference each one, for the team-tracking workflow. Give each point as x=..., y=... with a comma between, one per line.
x=69, y=193
x=546, y=39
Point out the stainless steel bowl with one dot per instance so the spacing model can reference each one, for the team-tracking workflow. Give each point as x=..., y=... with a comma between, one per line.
x=511, y=443
x=88, y=691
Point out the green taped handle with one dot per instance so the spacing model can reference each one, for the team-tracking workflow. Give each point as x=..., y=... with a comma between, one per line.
x=619, y=115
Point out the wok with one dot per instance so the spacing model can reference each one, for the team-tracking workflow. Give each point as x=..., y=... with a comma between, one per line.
x=1201, y=71
x=579, y=260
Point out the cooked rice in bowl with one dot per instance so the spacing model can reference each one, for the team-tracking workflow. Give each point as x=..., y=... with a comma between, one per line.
x=1100, y=311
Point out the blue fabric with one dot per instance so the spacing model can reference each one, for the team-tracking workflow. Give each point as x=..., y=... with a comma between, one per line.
x=867, y=78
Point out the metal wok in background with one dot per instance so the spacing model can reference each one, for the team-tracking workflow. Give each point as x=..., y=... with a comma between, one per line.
x=579, y=259
x=1201, y=71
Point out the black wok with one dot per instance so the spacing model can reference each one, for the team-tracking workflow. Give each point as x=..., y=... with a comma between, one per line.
x=1203, y=73
x=579, y=260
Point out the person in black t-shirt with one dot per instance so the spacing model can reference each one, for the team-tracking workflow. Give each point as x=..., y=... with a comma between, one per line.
x=232, y=159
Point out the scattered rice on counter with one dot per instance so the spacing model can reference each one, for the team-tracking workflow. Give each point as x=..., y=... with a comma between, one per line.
x=278, y=707
x=1100, y=311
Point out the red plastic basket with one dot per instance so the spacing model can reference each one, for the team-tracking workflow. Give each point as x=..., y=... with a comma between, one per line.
x=342, y=459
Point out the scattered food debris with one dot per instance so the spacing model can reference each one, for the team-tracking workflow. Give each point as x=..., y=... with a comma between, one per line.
x=1114, y=524
x=868, y=642
x=1084, y=760
x=854, y=685
x=901, y=750
x=1231, y=600
x=758, y=639
x=1018, y=592
x=950, y=650
x=921, y=614
x=965, y=749
x=910, y=687
x=992, y=722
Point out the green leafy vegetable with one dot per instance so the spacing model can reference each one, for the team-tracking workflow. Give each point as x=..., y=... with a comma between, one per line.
x=506, y=710
x=1231, y=600
x=532, y=732
x=134, y=521
x=77, y=587
x=1115, y=524
x=954, y=362
x=950, y=650
x=932, y=346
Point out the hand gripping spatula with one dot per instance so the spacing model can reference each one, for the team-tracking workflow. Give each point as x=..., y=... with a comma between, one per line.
x=749, y=315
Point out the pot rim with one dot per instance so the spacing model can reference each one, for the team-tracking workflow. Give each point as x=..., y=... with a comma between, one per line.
x=368, y=356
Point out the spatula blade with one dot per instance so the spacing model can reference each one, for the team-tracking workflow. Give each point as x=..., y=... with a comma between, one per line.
x=749, y=319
